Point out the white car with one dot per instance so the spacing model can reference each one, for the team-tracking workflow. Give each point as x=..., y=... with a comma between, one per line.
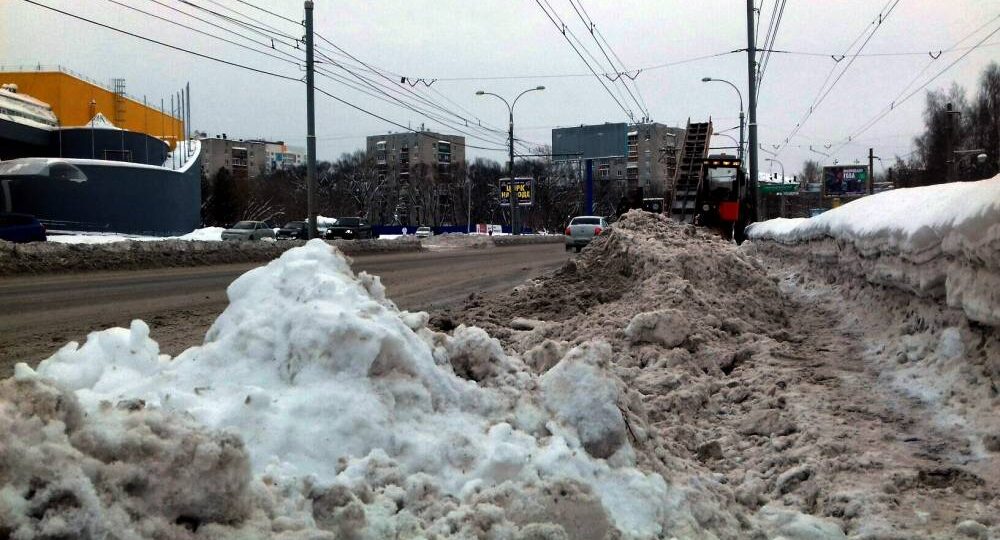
x=424, y=232
x=582, y=229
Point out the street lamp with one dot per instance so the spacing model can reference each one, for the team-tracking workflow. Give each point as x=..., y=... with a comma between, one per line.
x=510, y=109
x=710, y=79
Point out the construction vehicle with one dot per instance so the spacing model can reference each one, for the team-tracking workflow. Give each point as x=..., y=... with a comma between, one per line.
x=711, y=191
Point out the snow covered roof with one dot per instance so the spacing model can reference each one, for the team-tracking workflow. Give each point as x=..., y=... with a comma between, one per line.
x=99, y=121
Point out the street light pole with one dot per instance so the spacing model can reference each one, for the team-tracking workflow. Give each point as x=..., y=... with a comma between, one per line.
x=740, y=95
x=510, y=167
x=782, y=194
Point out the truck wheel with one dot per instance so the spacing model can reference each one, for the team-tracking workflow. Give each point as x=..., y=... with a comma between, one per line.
x=578, y=248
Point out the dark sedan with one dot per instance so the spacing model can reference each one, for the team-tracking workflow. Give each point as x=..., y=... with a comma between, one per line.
x=21, y=228
x=350, y=228
x=293, y=230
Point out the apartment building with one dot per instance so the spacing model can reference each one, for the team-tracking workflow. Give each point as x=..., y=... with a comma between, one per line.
x=632, y=155
x=421, y=172
x=243, y=159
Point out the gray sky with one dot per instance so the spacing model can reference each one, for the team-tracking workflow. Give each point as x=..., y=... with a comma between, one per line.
x=482, y=38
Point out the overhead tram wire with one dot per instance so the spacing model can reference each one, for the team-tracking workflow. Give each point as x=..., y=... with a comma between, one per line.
x=383, y=74
x=157, y=42
x=269, y=12
x=591, y=27
x=238, y=65
x=215, y=24
x=769, y=46
x=254, y=24
x=397, y=124
x=825, y=90
x=381, y=88
x=597, y=62
x=897, y=102
x=291, y=60
x=384, y=96
x=562, y=30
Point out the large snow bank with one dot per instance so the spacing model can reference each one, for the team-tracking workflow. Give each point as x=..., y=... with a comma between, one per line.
x=332, y=388
x=933, y=240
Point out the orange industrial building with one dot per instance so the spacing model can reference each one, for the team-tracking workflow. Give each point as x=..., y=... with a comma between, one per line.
x=75, y=100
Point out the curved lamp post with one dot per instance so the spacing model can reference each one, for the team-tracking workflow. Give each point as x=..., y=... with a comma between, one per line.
x=510, y=109
x=710, y=79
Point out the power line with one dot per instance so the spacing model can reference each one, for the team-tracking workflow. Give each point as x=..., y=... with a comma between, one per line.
x=897, y=102
x=260, y=27
x=381, y=88
x=581, y=75
x=151, y=40
x=824, y=90
x=422, y=98
x=769, y=46
x=235, y=64
x=191, y=28
x=591, y=27
x=397, y=124
x=563, y=30
x=269, y=12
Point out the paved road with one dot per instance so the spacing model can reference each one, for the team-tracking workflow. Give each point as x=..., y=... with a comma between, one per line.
x=39, y=314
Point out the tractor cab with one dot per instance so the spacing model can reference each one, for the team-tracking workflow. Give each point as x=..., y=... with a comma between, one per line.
x=724, y=200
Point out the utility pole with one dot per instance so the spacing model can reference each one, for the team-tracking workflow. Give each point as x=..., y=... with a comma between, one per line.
x=310, y=126
x=752, y=87
x=871, y=171
x=513, y=193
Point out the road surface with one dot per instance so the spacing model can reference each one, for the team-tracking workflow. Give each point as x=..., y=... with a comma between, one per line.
x=40, y=314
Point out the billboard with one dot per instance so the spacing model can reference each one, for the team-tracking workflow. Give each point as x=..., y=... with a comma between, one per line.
x=522, y=190
x=590, y=142
x=845, y=180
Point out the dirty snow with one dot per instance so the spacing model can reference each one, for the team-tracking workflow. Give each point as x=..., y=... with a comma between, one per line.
x=332, y=387
x=663, y=384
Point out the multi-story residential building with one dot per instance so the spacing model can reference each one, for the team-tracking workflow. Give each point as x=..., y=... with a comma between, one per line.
x=280, y=156
x=421, y=173
x=633, y=155
x=243, y=159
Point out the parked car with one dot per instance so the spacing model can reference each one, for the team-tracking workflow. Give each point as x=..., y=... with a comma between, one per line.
x=248, y=231
x=21, y=228
x=350, y=228
x=424, y=232
x=293, y=230
x=583, y=229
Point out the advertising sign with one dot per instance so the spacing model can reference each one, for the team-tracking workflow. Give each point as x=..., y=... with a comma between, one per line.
x=590, y=142
x=845, y=180
x=522, y=190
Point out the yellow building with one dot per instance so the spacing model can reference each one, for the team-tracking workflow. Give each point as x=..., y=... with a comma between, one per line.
x=75, y=100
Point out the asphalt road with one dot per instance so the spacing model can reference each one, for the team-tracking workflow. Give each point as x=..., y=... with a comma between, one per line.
x=40, y=314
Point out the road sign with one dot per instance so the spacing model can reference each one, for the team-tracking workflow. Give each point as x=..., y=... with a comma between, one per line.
x=522, y=189
x=845, y=180
x=777, y=188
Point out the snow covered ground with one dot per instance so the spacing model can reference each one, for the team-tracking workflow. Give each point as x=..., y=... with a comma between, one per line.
x=663, y=384
x=205, y=234
x=939, y=240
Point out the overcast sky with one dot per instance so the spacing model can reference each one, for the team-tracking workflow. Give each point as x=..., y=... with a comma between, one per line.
x=487, y=38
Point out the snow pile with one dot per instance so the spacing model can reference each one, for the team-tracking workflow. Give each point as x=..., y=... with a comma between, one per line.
x=356, y=419
x=205, y=234
x=941, y=240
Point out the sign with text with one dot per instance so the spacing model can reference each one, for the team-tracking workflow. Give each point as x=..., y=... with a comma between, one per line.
x=522, y=190
x=845, y=180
